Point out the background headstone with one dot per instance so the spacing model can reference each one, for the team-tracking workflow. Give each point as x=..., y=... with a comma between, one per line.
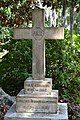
x=6, y=102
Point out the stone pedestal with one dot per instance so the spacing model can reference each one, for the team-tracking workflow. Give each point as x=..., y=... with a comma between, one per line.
x=37, y=104
x=61, y=114
x=37, y=101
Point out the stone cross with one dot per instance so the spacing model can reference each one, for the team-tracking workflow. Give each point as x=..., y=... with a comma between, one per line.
x=38, y=33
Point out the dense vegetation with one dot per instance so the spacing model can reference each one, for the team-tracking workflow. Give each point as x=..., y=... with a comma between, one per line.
x=63, y=64
x=62, y=57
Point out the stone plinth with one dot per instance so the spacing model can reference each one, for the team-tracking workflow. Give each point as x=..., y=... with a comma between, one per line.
x=61, y=115
x=38, y=87
x=37, y=103
x=33, y=103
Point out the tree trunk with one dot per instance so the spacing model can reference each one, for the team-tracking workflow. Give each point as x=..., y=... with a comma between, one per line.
x=71, y=19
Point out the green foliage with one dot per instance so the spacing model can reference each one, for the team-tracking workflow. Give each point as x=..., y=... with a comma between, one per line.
x=63, y=65
x=5, y=34
x=15, y=66
x=14, y=13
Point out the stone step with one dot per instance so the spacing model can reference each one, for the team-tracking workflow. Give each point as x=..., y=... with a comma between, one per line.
x=61, y=115
x=37, y=104
x=53, y=93
x=41, y=87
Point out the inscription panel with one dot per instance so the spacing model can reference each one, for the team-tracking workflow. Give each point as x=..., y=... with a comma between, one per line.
x=38, y=87
x=45, y=108
x=47, y=105
x=37, y=90
x=37, y=100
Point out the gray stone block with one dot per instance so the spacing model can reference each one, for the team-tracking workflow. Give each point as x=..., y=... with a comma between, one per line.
x=61, y=115
x=33, y=103
x=38, y=87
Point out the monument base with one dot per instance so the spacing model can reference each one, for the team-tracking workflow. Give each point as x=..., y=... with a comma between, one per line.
x=61, y=114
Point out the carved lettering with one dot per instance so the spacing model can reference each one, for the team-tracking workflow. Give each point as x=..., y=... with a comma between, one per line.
x=37, y=101
x=37, y=85
x=36, y=90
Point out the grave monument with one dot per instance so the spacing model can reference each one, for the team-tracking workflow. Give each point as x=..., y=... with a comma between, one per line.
x=37, y=101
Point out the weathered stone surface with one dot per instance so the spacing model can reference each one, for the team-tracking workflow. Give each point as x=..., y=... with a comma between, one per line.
x=61, y=115
x=2, y=93
x=41, y=87
x=38, y=33
x=32, y=103
x=4, y=97
x=53, y=93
